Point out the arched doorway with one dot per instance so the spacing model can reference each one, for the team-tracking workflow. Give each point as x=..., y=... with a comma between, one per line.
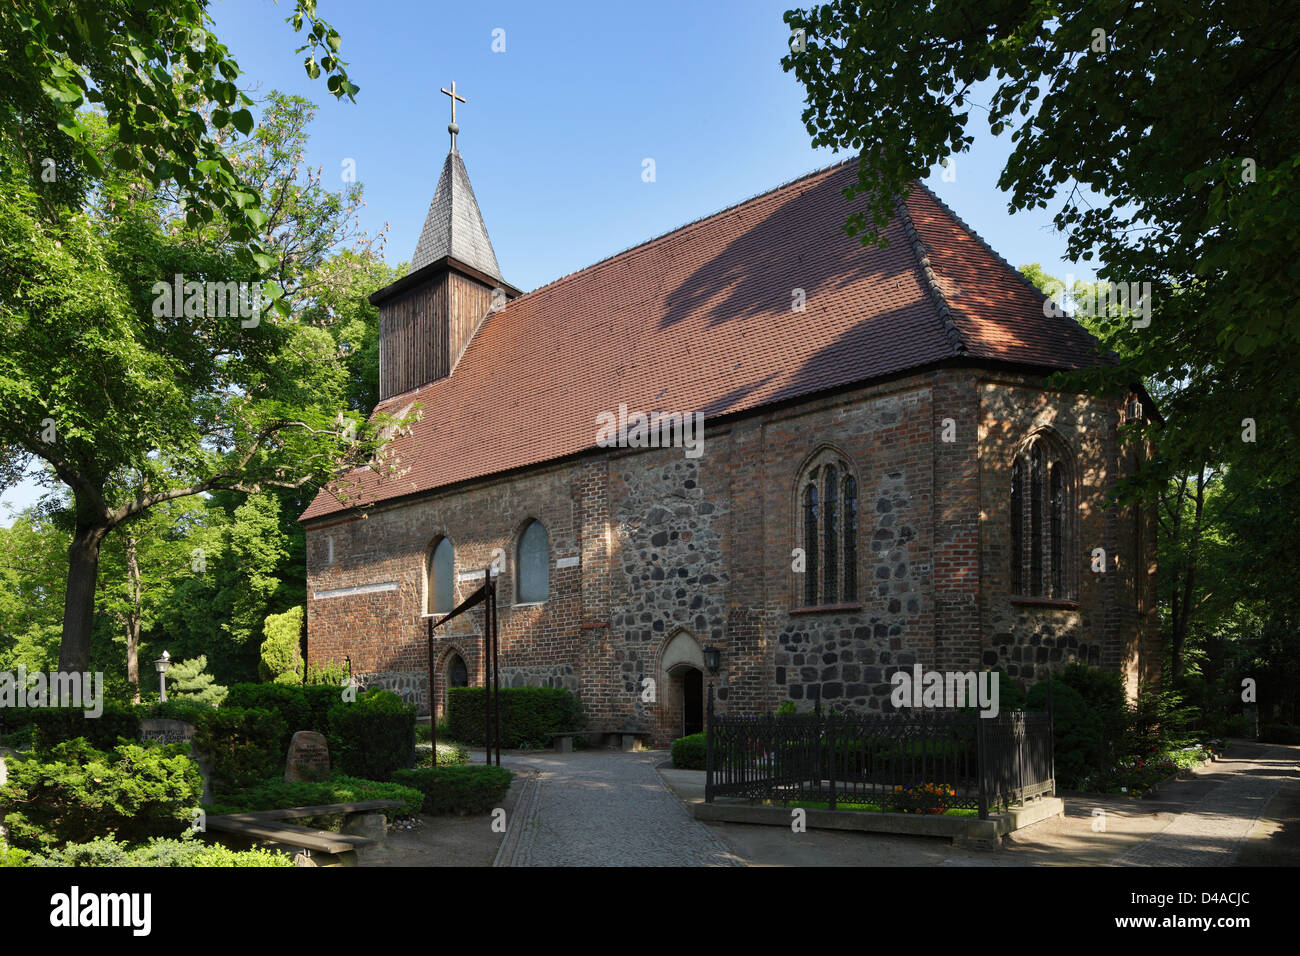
x=457, y=676
x=682, y=666
x=692, y=701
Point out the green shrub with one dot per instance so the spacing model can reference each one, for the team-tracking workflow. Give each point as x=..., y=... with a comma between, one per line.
x=786, y=708
x=1080, y=745
x=190, y=711
x=331, y=673
x=9, y=856
x=80, y=793
x=449, y=755
x=244, y=745
x=107, y=851
x=277, y=795
x=289, y=702
x=301, y=707
x=1279, y=734
x=190, y=681
x=282, y=649
x=528, y=715
x=460, y=790
x=373, y=736
x=56, y=725
x=688, y=752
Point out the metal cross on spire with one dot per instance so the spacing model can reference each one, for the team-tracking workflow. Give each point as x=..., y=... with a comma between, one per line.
x=452, y=127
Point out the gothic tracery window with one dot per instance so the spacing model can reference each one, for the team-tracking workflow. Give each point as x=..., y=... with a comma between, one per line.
x=1042, y=521
x=828, y=531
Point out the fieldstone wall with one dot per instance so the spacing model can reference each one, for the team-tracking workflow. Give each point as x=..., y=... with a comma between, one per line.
x=647, y=543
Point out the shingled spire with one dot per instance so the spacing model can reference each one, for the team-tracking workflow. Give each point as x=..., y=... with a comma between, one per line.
x=428, y=317
x=454, y=226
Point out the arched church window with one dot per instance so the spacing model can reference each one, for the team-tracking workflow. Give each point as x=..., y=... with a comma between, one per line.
x=828, y=530
x=532, y=564
x=1042, y=520
x=442, y=571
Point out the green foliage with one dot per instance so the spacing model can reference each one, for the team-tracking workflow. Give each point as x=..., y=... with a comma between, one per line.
x=281, y=654
x=80, y=793
x=373, y=736
x=1279, y=734
x=190, y=711
x=160, y=851
x=331, y=672
x=528, y=715
x=786, y=708
x=459, y=790
x=191, y=682
x=52, y=726
x=1081, y=745
x=243, y=745
x=340, y=788
x=689, y=752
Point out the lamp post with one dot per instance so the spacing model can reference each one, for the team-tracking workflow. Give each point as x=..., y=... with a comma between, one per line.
x=161, y=665
x=712, y=660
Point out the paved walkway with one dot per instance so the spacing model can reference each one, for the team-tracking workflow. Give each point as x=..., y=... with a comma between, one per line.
x=603, y=808
x=1212, y=831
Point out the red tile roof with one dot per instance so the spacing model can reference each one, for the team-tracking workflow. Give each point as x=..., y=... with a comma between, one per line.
x=700, y=319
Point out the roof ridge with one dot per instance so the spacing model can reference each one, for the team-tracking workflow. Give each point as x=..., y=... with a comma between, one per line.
x=686, y=225
x=931, y=278
x=952, y=214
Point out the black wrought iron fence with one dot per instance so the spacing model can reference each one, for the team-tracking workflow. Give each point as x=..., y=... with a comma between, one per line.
x=925, y=761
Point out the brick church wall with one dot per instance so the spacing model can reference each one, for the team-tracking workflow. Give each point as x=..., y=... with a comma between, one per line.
x=668, y=544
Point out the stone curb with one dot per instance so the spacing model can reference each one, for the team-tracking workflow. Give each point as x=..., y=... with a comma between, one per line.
x=508, y=852
x=967, y=832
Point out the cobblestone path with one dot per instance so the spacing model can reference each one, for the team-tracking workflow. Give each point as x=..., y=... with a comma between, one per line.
x=605, y=808
x=1211, y=831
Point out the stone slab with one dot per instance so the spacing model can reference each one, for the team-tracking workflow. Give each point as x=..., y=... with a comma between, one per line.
x=164, y=730
x=308, y=758
x=970, y=832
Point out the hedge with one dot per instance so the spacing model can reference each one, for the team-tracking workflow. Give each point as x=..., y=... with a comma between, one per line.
x=460, y=790
x=157, y=852
x=301, y=707
x=373, y=736
x=688, y=752
x=244, y=745
x=275, y=795
x=56, y=725
x=528, y=715
x=80, y=793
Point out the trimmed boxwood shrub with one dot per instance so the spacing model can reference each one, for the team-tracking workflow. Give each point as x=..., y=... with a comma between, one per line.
x=190, y=711
x=56, y=725
x=688, y=752
x=302, y=707
x=80, y=793
x=1081, y=746
x=372, y=736
x=157, y=852
x=243, y=745
x=277, y=795
x=528, y=715
x=460, y=790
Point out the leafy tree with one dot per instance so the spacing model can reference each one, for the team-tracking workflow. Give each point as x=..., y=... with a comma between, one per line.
x=1163, y=135
x=149, y=70
x=130, y=409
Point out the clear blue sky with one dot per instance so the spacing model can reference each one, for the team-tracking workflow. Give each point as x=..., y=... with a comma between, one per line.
x=556, y=127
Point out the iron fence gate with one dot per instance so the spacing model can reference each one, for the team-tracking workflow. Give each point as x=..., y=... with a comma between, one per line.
x=928, y=760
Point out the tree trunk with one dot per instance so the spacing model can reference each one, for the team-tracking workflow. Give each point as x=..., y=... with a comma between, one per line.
x=133, y=621
x=79, y=601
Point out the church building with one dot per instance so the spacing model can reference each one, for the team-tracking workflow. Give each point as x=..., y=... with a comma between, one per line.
x=826, y=460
